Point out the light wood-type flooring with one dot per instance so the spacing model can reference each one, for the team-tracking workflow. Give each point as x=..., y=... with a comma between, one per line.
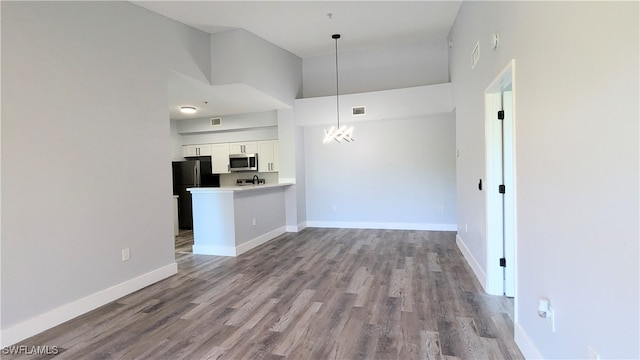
x=316, y=294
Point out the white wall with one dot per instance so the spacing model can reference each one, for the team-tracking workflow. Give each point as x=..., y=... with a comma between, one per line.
x=86, y=155
x=577, y=165
x=238, y=56
x=399, y=66
x=397, y=174
x=233, y=128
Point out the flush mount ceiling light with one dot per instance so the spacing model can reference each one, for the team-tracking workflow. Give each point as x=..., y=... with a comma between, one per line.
x=338, y=133
x=187, y=109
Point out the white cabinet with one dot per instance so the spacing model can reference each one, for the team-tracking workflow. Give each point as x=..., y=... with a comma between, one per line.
x=268, y=156
x=249, y=147
x=220, y=158
x=196, y=150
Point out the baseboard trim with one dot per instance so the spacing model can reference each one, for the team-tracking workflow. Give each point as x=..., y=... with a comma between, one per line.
x=79, y=307
x=214, y=250
x=255, y=242
x=527, y=348
x=473, y=262
x=296, y=228
x=382, y=225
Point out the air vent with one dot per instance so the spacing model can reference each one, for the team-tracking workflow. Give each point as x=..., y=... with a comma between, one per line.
x=216, y=121
x=357, y=110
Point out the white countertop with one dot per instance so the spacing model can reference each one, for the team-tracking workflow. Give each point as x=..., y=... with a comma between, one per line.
x=235, y=188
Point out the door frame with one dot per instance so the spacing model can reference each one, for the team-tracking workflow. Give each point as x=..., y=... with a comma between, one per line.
x=495, y=228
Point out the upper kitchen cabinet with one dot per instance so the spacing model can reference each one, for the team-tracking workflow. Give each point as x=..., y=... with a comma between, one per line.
x=196, y=150
x=220, y=158
x=268, y=156
x=250, y=147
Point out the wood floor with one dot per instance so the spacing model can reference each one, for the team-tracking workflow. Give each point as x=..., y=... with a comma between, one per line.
x=317, y=294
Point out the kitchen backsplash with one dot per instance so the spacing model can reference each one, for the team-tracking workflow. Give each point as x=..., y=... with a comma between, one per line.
x=230, y=179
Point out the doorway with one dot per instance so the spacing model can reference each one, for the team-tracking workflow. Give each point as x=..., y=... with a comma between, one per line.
x=500, y=194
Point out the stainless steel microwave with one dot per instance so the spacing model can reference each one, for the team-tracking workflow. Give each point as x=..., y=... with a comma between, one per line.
x=243, y=162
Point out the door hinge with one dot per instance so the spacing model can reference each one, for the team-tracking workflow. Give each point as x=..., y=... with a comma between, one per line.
x=501, y=189
x=503, y=262
x=500, y=114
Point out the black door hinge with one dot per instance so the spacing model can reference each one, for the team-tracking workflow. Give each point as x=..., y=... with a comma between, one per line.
x=500, y=114
x=503, y=262
x=501, y=189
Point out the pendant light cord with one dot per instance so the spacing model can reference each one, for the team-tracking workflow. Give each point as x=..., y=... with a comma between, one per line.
x=337, y=93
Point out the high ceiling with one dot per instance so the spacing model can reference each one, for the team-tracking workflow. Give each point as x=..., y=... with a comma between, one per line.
x=304, y=28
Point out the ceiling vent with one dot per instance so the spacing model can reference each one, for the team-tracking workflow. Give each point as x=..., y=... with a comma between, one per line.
x=357, y=110
x=216, y=121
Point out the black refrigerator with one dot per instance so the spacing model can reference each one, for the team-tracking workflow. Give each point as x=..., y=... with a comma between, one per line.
x=188, y=174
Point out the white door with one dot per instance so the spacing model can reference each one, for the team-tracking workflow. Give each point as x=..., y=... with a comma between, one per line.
x=500, y=195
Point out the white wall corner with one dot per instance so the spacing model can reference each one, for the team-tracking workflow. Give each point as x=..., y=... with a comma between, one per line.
x=79, y=307
x=472, y=261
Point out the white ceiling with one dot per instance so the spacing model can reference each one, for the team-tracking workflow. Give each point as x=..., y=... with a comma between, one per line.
x=216, y=100
x=304, y=29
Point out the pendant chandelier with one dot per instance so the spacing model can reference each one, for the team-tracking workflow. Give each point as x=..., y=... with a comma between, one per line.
x=339, y=133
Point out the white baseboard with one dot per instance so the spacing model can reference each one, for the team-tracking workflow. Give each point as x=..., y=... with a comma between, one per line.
x=527, y=348
x=382, y=225
x=239, y=249
x=473, y=262
x=76, y=308
x=296, y=228
x=214, y=250
x=246, y=246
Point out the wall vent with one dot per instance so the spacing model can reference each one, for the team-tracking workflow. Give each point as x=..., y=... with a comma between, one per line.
x=357, y=110
x=216, y=121
x=475, y=55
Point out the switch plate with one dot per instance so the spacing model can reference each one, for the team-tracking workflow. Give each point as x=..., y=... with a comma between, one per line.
x=126, y=255
x=254, y=221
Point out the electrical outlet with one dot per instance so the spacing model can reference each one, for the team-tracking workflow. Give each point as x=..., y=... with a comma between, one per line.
x=333, y=207
x=254, y=221
x=126, y=255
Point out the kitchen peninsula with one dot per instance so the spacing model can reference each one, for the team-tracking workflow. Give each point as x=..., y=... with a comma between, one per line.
x=229, y=221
